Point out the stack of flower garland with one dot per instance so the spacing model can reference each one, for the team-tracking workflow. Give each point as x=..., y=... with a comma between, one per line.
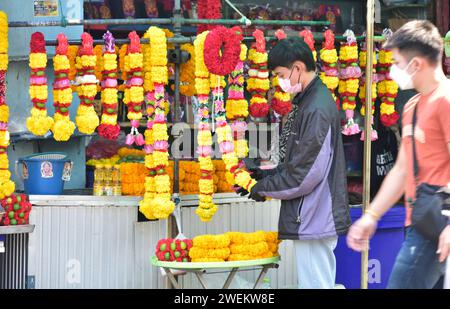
x=86, y=119
x=329, y=57
x=187, y=72
x=387, y=88
x=237, y=105
x=206, y=208
x=210, y=248
x=109, y=128
x=134, y=90
x=349, y=73
x=362, y=88
x=63, y=128
x=281, y=101
x=308, y=37
x=39, y=123
x=248, y=246
x=7, y=187
x=161, y=206
x=258, y=82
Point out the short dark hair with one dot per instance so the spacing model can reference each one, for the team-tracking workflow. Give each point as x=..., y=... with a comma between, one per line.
x=418, y=38
x=289, y=50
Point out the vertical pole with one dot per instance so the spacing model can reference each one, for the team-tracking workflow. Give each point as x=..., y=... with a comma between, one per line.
x=367, y=130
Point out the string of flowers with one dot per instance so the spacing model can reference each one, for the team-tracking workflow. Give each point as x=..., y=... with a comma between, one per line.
x=329, y=57
x=123, y=74
x=208, y=9
x=7, y=187
x=258, y=82
x=187, y=72
x=63, y=128
x=161, y=206
x=387, y=88
x=72, y=55
x=349, y=74
x=362, y=88
x=206, y=207
x=87, y=120
x=98, y=52
x=281, y=101
x=108, y=127
x=39, y=123
x=308, y=37
x=134, y=90
x=237, y=106
x=145, y=205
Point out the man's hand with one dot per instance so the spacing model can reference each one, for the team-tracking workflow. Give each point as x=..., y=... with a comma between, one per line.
x=254, y=195
x=252, y=165
x=241, y=191
x=444, y=244
x=360, y=233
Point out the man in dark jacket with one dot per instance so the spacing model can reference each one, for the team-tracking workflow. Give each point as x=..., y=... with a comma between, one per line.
x=311, y=179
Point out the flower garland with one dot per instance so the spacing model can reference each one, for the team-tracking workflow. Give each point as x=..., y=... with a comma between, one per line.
x=222, y=63
x=39, y=123
x=258, y=82
x=206, y=208
x=134, y=90
x=98, y=52
x=7, y=187
x=362, y=88
x=237, y=106
x=122, y=54
x=208, y=9
x=86, y=119
x=187, y=72
x=63, y=128
x=161, y=205
x=387, y=88
x=308, y=37
x=72, y=55
x=349, y=73
x=109, y=128
x=329, y=57
x=281, y=101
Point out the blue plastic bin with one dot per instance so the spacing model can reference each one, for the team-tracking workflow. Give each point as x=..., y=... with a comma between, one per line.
x=384, y=247
x=44, y=173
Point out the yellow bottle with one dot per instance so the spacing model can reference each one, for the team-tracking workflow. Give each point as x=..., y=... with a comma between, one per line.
x=117, y=180
x=99, y=178
x=108, y=185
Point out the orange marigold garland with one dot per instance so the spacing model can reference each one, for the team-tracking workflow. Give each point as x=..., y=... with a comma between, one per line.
x=387, y=88
x=109, y=128
x=258, y=82
x=187, y=72
x=63, y=128
x=39, y=123
x=349, y=74
x=7, y=187
x=86, y=119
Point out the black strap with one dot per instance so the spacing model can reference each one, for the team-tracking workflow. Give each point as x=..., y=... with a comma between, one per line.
x=416, y=163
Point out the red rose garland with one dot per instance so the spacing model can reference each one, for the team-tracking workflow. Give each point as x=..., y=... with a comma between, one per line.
x=230, y=40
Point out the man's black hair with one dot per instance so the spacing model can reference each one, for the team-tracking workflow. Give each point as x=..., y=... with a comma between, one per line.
x=418, y=38
x=289, y=50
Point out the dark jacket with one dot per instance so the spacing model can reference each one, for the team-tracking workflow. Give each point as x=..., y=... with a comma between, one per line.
x=312, y=180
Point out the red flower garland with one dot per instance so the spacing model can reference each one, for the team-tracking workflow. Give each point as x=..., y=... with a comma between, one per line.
x=230, y=39
x=208, y=9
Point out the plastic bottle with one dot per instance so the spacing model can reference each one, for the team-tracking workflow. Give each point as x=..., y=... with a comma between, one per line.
x=108, y=186
x=99, y=177
x=117, y=180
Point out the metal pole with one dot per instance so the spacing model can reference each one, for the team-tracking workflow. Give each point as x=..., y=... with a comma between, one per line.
x=367, y=130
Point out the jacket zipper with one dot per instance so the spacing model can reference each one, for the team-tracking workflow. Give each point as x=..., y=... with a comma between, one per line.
x=299, y=220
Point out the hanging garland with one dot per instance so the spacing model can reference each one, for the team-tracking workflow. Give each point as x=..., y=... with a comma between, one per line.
x=187, y=72
x=258, y=82
x=349, y=73
x=206, y=207
x=208, y=9
x=134, y=90
x=237, y=108
x=39, y=123
x=222, y=62
x=329, y=57
x=63, y=128
x=362, y=88
x=86, y=119
x=308, y=37
x=161, y=206
x=281, y=101
x=109, y=128
x=72, y=55
x=7, y=187
x=387, y=88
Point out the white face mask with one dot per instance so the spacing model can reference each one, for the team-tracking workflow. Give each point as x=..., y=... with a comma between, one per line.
x=402, y=77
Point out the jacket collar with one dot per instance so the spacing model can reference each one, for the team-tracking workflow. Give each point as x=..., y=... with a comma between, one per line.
x=301, y=95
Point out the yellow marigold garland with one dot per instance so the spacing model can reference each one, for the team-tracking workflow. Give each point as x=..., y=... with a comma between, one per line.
x=329, y=57
x=39, y=123
x=187, y=72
